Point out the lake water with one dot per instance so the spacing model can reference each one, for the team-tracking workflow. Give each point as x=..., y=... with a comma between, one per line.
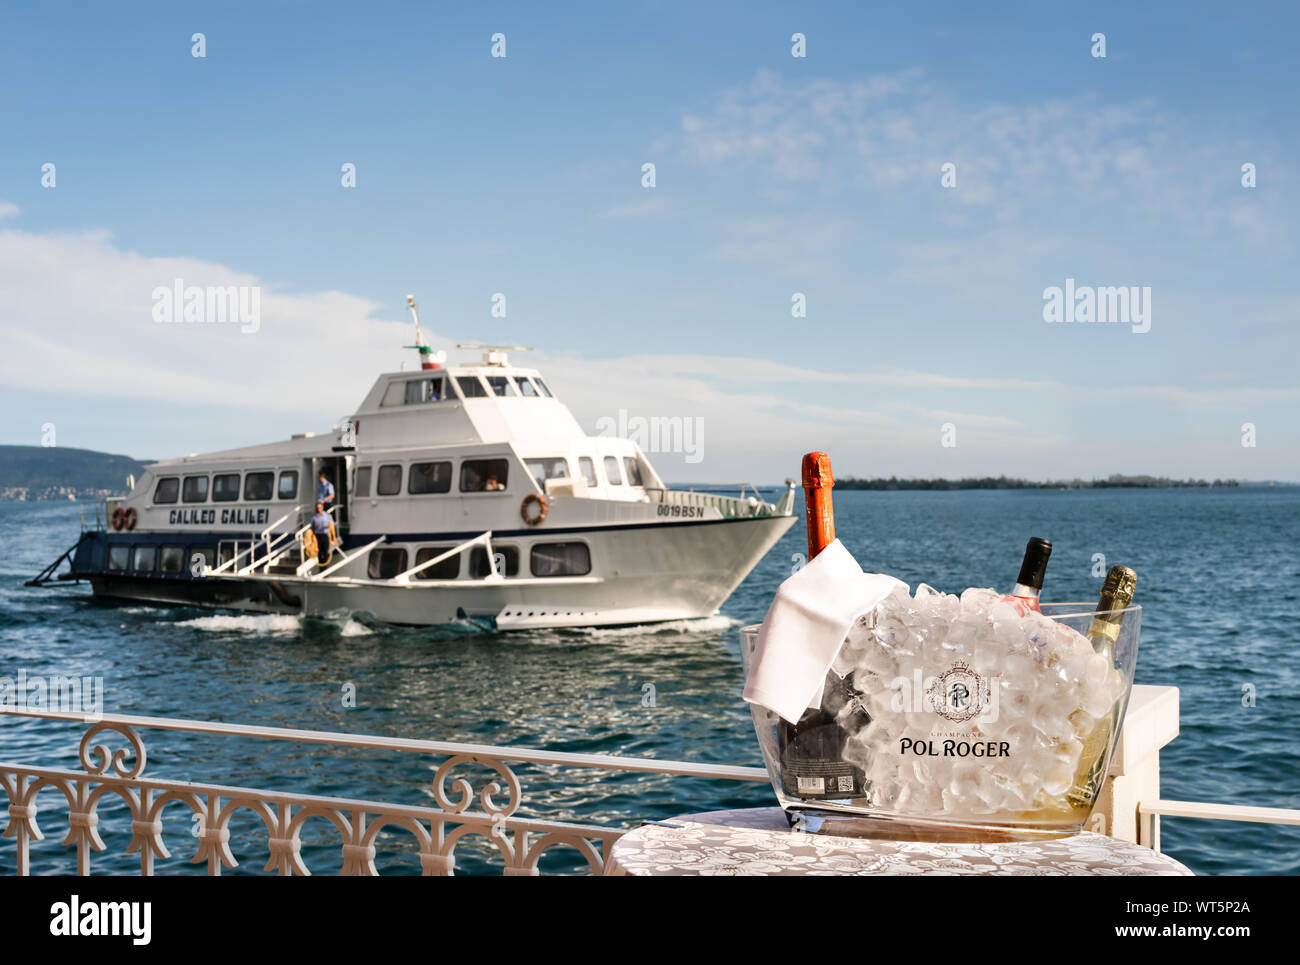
x=1218, y=577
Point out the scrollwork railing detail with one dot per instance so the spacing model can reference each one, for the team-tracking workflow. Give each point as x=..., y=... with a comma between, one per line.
x=436, y=832
x=100, y=752
x=465, y=790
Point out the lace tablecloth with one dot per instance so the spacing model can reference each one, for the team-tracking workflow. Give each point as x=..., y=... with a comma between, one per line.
x=758, y=841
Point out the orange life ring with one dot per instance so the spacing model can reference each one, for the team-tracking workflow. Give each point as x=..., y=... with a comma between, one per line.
x=129, y=517
x=529, y=500
x=119, y=518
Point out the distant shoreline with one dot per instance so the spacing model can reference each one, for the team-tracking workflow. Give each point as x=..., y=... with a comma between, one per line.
x=41, y=474
x=1004, y=482
x=894, y=484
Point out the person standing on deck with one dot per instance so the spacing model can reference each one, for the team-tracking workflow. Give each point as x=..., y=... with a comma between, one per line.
x=324, y=491
x=323, y=529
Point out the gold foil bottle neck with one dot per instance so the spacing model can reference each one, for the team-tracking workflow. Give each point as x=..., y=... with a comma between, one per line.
x=1116, y=595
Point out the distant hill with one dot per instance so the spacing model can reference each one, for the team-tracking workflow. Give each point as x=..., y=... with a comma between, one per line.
x=56, y=472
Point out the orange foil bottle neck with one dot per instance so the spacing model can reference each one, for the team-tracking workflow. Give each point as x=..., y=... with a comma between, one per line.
x=819, y=511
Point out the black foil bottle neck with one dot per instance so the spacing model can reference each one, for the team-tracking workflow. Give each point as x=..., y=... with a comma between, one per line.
x=1034, y=568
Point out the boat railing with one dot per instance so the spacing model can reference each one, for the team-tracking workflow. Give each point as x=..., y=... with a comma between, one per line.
x=729, y=506
x=305, y=566
x=271, y=552
x=110, y=503
x=477, y=791
x=261, y=566
x=276, y=545
x=263, y=537
x=483, y=539
x=295, y=539
x=403, y=578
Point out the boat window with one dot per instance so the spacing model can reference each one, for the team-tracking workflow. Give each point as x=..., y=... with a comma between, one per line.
x=288, y=484
x=258, y=486
x=587, y=466
x=167, y=490
x=171, y=559
x=118, y=556
x=526, y=386
x=545, y=391
x=501, y=385
x=385, y=563
x=227, y=550
x=424, y=390
x=560, y=559
x=390, y=480
x=395, y=394
x=448, y=569
x=482, y=475
x=225, y=488
x=633, y=466
x=195, y=489
x=429, y=477
x=143, y=559
x=507, y=559
x=553, y=467
x=362, y=485
x=611, y=471
x=206, y=553
x=471, y=387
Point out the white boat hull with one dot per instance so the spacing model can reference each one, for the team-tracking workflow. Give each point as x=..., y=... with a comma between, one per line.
x=653, y=574
x=648, y=574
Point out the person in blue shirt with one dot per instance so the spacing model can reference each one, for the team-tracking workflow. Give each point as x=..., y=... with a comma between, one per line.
x=324, y=491
x=322, y=526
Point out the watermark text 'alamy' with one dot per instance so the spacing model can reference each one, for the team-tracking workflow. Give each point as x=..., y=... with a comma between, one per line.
x=1125, y=305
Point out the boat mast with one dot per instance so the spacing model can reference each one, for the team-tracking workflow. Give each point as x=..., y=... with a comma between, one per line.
x=427, y=359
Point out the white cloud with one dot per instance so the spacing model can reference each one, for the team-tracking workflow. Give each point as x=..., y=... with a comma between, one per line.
x=76, y=318
x=78, y=312
x=8, y=209
x=893, y=133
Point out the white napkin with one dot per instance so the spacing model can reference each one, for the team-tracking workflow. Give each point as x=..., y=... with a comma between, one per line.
x=805, y=627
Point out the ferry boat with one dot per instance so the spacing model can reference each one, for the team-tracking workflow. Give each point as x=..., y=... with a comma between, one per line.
x=462, y=494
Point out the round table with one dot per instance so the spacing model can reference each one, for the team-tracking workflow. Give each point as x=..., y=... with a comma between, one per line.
x=758, y=841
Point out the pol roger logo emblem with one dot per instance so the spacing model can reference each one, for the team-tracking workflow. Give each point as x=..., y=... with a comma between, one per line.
x=958, y=695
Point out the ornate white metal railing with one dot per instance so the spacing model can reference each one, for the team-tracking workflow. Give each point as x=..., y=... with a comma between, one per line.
x=436, y=831
x=1129, y=806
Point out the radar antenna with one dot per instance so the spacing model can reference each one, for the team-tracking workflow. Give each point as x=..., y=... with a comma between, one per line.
x=495, y=354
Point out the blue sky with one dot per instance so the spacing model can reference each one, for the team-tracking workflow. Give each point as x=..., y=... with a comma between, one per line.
x=775, y=175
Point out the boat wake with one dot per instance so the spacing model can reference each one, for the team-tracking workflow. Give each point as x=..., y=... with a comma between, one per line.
x=261, y=623
x=712, y=624
x=271, y=624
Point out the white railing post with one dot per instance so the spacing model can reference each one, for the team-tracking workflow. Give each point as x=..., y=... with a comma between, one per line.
x=1150, y=723
x=1149, y=830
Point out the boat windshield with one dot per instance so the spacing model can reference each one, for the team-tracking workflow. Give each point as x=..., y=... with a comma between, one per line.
x=554, y=467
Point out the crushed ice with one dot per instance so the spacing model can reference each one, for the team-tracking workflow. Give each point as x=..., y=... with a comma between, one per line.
x=998, y=722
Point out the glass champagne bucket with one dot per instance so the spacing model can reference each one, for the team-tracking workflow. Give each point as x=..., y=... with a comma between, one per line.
x=957, y=713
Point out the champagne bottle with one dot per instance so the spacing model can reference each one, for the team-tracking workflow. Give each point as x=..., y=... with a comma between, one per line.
x=812, y=750
x=1116, y=595
x=1029, y=584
